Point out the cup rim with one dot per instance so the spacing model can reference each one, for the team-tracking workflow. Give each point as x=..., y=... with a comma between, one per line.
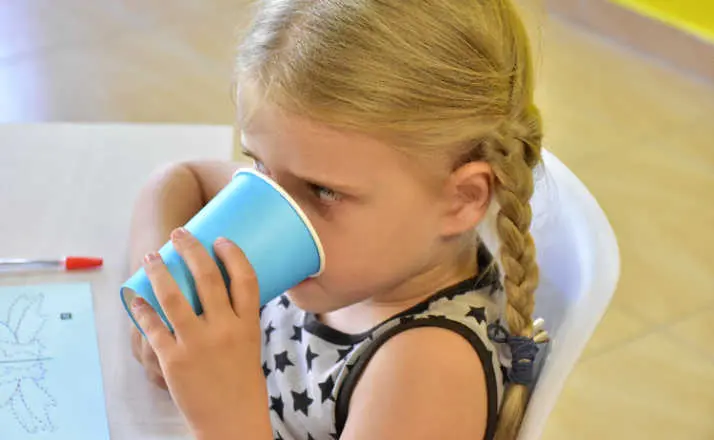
x=296, y=208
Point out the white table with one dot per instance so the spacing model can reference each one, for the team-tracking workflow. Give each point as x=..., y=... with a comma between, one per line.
x=69, y=189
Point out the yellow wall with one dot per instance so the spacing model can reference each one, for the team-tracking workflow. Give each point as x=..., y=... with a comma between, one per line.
x=693, y=16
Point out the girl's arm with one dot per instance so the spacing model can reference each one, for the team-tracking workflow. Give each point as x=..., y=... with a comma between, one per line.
x=170, y=198
x=212, y=362
x=423, y=384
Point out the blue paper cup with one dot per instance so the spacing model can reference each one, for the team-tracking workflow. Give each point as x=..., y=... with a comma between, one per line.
x=264, y=221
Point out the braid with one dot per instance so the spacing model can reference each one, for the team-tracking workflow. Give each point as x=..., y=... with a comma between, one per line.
x=512, y=159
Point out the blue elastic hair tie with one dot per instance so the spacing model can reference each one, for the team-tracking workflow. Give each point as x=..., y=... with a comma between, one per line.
x=523, y=353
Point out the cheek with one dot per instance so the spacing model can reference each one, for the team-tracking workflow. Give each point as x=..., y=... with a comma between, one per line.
x=364, y=257
x=366, y=248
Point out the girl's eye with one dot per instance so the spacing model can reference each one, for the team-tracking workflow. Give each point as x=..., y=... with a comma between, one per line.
x=326, y=195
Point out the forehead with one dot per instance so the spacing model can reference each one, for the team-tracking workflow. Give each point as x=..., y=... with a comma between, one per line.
x=292, y=141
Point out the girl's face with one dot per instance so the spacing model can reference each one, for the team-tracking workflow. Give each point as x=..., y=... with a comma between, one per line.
x=380, y=218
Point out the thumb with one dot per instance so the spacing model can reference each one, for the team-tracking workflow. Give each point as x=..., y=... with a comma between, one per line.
x=244, y=290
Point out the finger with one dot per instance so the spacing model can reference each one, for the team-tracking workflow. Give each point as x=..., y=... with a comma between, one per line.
x=151, y=324
x=176, y=308
x=149, y=359
x=157, y=380
x=244, y=290
x=151, y=365
x=209, y=282
x=136, y=343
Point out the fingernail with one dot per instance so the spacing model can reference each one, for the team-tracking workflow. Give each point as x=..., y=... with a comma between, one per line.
x=220, y=241
x=151, y=257
x=138, y=303
x=179, y=233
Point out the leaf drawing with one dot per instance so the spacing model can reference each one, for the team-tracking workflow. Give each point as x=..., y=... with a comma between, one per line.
x=32, y=320
x=17, y=310
x=22, y=366
x=34, y=403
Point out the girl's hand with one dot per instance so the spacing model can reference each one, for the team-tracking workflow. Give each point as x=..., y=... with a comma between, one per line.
x=211, y=363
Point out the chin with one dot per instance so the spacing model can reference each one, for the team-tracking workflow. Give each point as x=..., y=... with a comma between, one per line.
x=311, y=297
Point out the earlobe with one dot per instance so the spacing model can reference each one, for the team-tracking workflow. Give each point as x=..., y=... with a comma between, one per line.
x=468, y=191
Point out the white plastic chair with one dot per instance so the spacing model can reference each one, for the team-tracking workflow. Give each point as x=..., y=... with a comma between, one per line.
x=580, y=265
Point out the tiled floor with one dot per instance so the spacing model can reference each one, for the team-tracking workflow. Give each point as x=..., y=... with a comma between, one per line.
x=638, y=134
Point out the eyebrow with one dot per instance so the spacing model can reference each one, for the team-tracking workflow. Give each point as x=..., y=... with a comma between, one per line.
x=342, y=188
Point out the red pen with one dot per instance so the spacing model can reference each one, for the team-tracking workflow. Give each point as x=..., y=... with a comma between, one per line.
x=67, y=263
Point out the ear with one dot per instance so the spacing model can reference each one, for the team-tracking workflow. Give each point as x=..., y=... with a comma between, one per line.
x=467, y=195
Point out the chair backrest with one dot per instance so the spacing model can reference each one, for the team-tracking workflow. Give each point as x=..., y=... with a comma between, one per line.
x=580, y=265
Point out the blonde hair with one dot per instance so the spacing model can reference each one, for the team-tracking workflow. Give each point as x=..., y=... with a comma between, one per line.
x=446, y=76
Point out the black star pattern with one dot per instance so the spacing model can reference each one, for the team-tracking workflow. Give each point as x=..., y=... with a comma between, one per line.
x=326, y=388
x=477, y=312
x=309, y=357
x=284, y=301
x=282, y=361
x=301, y=402
x=279, y=437
x=450, y=296
x=266, y=370
x=277, y=405
x=269, y=331
x=297, y=335
x=342, y=354
x=310, y=437
x=405, y=319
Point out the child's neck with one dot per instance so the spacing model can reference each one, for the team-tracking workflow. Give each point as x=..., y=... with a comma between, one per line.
x=365, y=315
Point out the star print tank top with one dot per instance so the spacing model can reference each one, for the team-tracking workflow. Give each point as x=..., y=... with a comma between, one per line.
x=312, y=369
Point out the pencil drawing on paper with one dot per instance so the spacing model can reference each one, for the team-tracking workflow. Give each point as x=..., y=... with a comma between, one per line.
x=23, y=365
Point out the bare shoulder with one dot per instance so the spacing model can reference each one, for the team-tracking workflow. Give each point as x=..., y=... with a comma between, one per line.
x=423, y=383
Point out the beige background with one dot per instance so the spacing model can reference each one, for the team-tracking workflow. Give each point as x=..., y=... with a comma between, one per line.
x=677, y=47
x=639, y=134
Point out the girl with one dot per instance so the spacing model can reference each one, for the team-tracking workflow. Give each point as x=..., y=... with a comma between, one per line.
x=399, y=126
